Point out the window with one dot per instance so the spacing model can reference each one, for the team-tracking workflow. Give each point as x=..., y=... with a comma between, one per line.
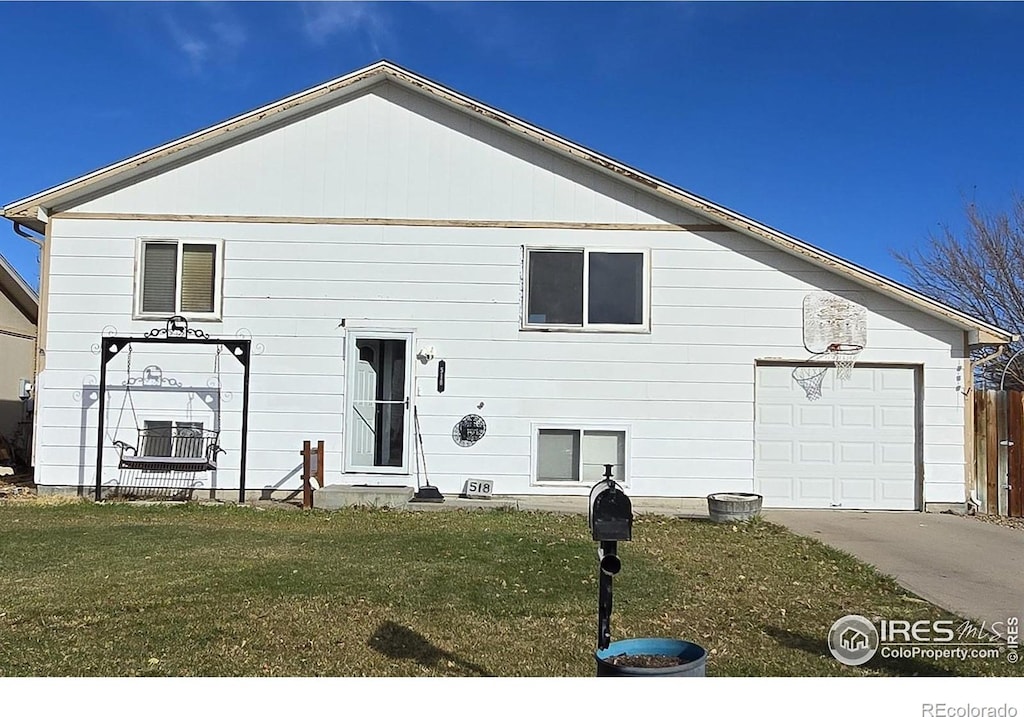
x=579, y=455
x=157, y=439
x=164, y=439
x=179, y=277
x=586, y=288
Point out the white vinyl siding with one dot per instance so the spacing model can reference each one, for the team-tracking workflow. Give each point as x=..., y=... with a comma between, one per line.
x=178, y=277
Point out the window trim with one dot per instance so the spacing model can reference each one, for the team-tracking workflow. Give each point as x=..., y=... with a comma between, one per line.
x=180, y=242
x=536, y=428
x=644, y=327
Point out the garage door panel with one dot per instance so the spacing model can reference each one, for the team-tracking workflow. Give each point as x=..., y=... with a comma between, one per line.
x=855, y=447
x=815, y=416
x=859, y=381
x=859, y=452
x=898, y=380
x=779, y=488
x=776, y=415
x=856, y=416
x=769, y=451
x=856, y=493
x=813, y=492
x=897, y=417
x=816, y=452
x=897, y=454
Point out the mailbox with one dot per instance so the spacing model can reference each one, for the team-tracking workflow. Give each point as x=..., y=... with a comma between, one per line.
x=611, y=520
x=611, y=512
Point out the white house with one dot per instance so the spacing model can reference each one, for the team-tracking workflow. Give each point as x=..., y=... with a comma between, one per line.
x=19, y=307
x=366, y=230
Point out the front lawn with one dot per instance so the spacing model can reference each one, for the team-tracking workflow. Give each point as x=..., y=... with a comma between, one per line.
x=221, y=590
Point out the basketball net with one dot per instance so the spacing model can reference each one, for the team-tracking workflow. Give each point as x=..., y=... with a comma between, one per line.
x=844, y=356
x=810, y=376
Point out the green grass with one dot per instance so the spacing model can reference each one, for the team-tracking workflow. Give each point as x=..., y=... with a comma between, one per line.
x=191, y=590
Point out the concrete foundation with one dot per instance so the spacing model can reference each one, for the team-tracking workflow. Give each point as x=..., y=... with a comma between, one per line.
x=334, y=497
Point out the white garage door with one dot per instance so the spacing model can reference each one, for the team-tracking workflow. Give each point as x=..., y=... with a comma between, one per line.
x=852, y=448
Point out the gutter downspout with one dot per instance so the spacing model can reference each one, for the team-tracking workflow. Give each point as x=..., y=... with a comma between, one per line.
x=19, y=230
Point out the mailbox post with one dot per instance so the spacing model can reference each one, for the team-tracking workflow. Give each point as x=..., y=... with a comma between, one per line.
x=611, y=519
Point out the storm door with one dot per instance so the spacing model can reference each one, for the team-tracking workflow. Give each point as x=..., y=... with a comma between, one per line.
x=377, y=403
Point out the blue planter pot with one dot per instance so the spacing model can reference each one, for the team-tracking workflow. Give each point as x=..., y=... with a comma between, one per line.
x=694, y=658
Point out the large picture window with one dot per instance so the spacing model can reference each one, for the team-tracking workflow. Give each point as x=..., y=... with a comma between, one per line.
x=178, y=277
x=579, y=455
x=584, y=288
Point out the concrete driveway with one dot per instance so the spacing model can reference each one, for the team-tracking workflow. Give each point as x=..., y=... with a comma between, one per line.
x=972, y=568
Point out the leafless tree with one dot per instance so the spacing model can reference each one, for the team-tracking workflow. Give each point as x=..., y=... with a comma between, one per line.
x=982, y=274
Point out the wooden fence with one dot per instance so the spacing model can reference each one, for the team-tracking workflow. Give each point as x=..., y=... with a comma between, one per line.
x=999, y=451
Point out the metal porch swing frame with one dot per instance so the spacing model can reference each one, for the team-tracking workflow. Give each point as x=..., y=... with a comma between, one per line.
x=176, y=331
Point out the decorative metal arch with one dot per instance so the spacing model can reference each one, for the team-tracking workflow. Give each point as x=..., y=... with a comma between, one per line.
x=176, y=331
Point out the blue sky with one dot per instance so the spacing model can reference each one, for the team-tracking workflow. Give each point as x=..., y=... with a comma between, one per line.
x=858, y=127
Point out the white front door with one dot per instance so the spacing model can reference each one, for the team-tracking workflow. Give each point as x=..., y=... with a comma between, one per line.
x=378, y=402
x=855, y=447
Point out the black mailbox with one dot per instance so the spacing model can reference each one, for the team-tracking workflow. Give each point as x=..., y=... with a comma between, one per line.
x=611, y=512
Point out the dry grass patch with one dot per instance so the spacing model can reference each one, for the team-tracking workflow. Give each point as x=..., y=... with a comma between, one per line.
x=191, y=590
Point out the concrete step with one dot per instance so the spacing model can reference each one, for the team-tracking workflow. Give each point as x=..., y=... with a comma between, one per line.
x=333, y=497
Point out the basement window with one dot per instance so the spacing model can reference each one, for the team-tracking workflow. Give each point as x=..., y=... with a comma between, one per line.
x=179, y=278
x=602, y=290
x=579, y=455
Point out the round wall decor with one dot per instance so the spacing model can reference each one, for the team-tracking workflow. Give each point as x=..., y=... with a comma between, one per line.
x=469, y=430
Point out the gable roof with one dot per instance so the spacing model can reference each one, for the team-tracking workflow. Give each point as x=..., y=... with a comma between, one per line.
x=13, y=286
x=33, y=210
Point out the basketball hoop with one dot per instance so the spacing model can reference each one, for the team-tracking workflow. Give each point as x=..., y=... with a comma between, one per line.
x=844, y=356
x=835, y=331
x=810, y=377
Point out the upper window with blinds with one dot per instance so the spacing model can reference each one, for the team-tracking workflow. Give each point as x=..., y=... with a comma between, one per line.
x=178, y=278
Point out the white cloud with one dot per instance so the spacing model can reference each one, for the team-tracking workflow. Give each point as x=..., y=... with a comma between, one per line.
x=213, y=35
x=189, y=44
x=321, y=20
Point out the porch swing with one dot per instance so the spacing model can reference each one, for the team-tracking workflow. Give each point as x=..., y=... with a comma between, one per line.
x=166, y=448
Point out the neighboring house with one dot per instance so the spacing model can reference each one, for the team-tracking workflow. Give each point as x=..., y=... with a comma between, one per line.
x=19, y=309
x=364, y=231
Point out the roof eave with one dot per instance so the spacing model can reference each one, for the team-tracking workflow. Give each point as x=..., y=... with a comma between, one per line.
x=23, y=295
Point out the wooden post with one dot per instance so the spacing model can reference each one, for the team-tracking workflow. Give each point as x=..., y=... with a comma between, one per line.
x=307, y=489
x=992, y=450
x=320, y=463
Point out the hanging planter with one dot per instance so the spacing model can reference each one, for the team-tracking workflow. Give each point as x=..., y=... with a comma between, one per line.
x=651, y=657
x=731, y=507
